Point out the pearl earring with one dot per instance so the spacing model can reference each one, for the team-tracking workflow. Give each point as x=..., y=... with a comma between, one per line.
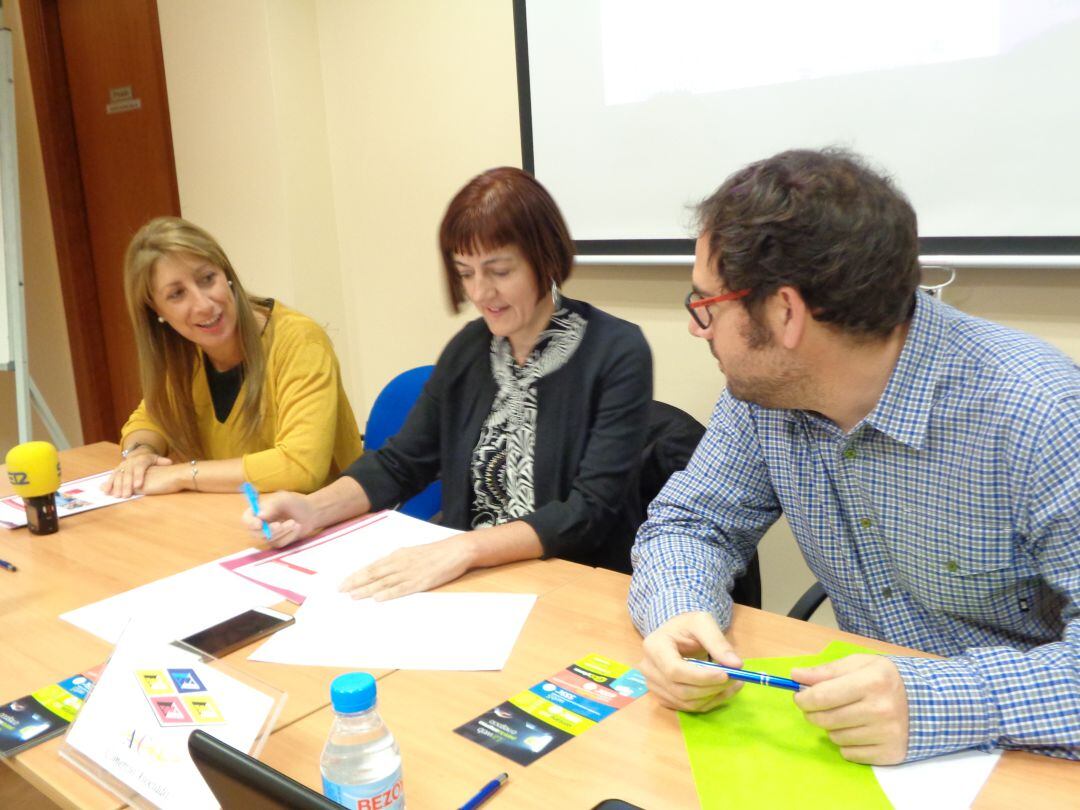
x=160, y=319
x=230, y=282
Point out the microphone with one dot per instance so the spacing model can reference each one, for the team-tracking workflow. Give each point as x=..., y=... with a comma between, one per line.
x=34, y=472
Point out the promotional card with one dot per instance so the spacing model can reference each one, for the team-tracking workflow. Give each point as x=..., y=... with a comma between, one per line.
x=548, y=714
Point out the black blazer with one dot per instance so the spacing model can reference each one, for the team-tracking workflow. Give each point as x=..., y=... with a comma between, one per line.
x=590, y=431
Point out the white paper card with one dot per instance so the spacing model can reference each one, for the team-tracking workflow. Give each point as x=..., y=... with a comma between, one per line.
x=178, y=605
x=450, y=631
x=949, y=782
x=135, y=724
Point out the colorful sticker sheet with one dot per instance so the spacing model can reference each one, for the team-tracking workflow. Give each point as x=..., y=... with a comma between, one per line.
x=543, y=717
x=178, y=697
x=43, y=713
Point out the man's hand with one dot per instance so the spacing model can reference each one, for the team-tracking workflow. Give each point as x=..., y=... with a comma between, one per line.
x=860, y=700
x=679, y=684
x=410, y=570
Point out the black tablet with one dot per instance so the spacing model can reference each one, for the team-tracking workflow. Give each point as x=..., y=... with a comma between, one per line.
x=241, y=781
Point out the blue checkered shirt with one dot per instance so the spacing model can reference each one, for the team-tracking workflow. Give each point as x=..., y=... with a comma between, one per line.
x=948, y=521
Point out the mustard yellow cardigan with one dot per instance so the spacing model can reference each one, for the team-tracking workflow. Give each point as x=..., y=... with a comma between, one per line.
x=308, y=433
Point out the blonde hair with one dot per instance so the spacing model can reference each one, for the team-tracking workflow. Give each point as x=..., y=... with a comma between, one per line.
x=167, y=360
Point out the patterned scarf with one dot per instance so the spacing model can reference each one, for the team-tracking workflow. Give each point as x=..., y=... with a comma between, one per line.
x=502, y=461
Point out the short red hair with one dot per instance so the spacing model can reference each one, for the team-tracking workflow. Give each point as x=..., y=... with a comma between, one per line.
x=502, y=207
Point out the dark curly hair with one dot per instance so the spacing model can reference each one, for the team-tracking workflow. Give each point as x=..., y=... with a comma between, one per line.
x=824, y=223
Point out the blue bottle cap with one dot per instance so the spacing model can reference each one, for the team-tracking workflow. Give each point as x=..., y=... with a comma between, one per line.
x=353, y=692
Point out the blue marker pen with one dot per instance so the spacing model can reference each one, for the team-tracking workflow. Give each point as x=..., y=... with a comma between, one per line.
x=747, y=676
x=486, y=792
x=253, y=499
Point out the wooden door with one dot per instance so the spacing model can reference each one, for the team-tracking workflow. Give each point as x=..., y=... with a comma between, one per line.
x=99, y=75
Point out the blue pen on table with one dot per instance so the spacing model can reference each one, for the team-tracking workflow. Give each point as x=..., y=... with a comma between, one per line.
x=5, y=564
x=253, y=499
x=747, y=676
x=486, y=792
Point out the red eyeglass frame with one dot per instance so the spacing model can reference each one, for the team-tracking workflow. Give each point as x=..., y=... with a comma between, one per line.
x=712, y=299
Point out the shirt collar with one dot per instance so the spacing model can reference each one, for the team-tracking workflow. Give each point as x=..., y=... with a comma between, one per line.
x=903, y=412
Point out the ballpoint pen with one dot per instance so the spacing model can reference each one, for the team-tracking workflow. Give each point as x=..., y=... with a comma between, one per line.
x=485, y=792
x=747, y=676
x=253, y=499
x=8, y=566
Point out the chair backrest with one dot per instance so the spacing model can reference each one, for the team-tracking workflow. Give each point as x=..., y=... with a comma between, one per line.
x=673, y=436
x=387, y=416
x=393, y=404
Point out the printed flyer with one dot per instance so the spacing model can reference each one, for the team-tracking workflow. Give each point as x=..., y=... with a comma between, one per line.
x=74, y=497
x=44, y=713
x=540, y=719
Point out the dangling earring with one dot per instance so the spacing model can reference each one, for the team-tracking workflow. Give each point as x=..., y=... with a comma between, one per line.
x=160, y=319
x=555, y=296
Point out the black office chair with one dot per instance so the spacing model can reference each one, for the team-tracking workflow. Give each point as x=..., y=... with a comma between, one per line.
x=808, y=602
x=672, y=437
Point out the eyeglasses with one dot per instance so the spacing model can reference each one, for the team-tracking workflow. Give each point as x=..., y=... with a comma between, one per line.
x=698, y=306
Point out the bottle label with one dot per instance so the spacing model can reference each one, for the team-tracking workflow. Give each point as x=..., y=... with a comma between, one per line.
x=386, y=794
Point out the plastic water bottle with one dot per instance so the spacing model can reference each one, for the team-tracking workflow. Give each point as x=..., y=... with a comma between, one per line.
x=361, y=763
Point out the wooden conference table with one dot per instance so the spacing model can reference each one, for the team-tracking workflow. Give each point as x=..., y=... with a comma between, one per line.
x=636, y=754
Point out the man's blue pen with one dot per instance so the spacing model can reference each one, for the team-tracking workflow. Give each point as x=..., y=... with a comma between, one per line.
x=485, y=792
x=253, y=499
x=5, y=564
x=746, y=675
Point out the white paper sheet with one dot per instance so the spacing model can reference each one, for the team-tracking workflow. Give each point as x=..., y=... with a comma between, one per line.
x=178, y=605
x=948, y=782
x=321, y=563
x=80, y=495
x=451, y=631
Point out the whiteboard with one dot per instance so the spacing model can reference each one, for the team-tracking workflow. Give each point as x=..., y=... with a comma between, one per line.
x=10, y=273
x=634, y=110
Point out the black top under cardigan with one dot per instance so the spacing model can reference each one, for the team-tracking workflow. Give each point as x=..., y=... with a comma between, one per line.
x=590, y=430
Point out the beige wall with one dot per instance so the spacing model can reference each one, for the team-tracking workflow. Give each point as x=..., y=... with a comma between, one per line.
x=245, y=88
x=50, y=355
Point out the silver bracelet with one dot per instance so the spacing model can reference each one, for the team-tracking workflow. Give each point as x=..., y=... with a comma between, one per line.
x=195, y=475
x=128, y=451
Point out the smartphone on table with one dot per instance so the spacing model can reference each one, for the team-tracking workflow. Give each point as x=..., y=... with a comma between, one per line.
x=232, y=634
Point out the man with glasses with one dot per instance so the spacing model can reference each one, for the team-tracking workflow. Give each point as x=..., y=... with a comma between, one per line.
x=927, y=461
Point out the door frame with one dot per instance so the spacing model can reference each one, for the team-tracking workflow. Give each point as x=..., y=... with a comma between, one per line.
x=67, y=206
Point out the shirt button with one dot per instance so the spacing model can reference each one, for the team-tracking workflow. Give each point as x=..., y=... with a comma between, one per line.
x=952, y=567
x=887, y=593
x=850, y=453
x=866, y=523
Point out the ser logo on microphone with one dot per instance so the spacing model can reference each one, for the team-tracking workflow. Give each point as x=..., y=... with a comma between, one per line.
x=18, y=479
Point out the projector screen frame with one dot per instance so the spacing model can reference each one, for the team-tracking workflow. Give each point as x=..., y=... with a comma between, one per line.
x=1015, y=252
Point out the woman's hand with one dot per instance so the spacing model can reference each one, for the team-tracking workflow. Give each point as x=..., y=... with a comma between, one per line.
x=163, y=478
x=290, y=516
x=411, y=570
x=130, y=475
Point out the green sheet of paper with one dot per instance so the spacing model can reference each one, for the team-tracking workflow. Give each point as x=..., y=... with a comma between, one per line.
x=758, y=751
